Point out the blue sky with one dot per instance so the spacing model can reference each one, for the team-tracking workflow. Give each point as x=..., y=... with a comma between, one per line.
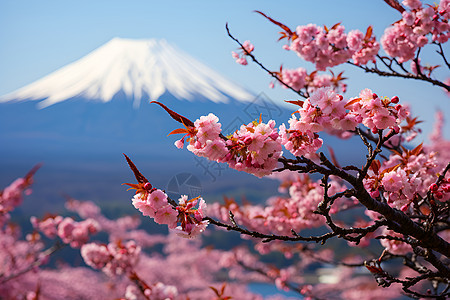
x=38, y=37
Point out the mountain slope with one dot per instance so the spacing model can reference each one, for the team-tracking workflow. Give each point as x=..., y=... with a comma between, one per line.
x=138, y=68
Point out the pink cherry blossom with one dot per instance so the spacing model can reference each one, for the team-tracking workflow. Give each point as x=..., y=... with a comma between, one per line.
x=240, y=58
x=166, y=215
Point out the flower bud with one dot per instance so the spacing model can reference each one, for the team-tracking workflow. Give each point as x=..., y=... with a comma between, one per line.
x=434, y=187
x=148, y=186
x=394, y=100
x=375, y=194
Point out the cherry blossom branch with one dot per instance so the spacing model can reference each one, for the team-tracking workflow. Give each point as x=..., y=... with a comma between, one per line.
x=398, y=221
x=296, y=237
x=384, y=279
x=300, y=93
x=394, y=73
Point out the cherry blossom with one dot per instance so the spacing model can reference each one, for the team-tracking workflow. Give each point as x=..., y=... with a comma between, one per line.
x=245, y=50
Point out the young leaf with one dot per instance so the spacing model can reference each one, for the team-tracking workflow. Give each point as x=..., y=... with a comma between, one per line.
x=175, y=116
x=289, y=32
x=368, y=32
x=296, y=102
x=376, y=166
x=178, y=131
x=139, y=177
x=416, y=151
x=394, y=4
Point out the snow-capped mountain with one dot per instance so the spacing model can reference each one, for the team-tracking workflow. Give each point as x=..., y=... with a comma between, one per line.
x=139, y=69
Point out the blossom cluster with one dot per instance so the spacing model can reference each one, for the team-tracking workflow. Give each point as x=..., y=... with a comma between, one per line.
x=406, y=176
x=410, y=33
x=330, y=47
x=112, y=259
x=154, y=204
x=299, y=79
x=12, y=195
x=326, y=110
x=253, y=148
x=70, y=231
x=241, y=57
x=377, y=113
x=183, y=218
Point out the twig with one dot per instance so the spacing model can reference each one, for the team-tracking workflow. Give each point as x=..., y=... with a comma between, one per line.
x=300, y=93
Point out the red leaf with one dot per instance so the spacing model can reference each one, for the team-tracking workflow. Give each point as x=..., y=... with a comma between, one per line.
x=283, y=36
x=368, y=32
x=284, y=27
x=178, y=131
x=335, y=25
x=139, y=177
x=394, y=4
x=215, y=291
x=416, y=151
x=374, y=269
x=175, y=116
x=223, y=288
x=391, y=169
x=296, y=102
x=375, y=166
x=312, y=74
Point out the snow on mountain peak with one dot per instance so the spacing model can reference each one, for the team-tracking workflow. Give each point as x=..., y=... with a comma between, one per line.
x=138, y=68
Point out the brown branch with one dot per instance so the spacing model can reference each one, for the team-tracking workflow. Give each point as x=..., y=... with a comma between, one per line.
x=442, y=54
x=408, y=75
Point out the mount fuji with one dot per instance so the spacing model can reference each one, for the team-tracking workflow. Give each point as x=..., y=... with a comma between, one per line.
x=139, y=69
x=79, y=119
